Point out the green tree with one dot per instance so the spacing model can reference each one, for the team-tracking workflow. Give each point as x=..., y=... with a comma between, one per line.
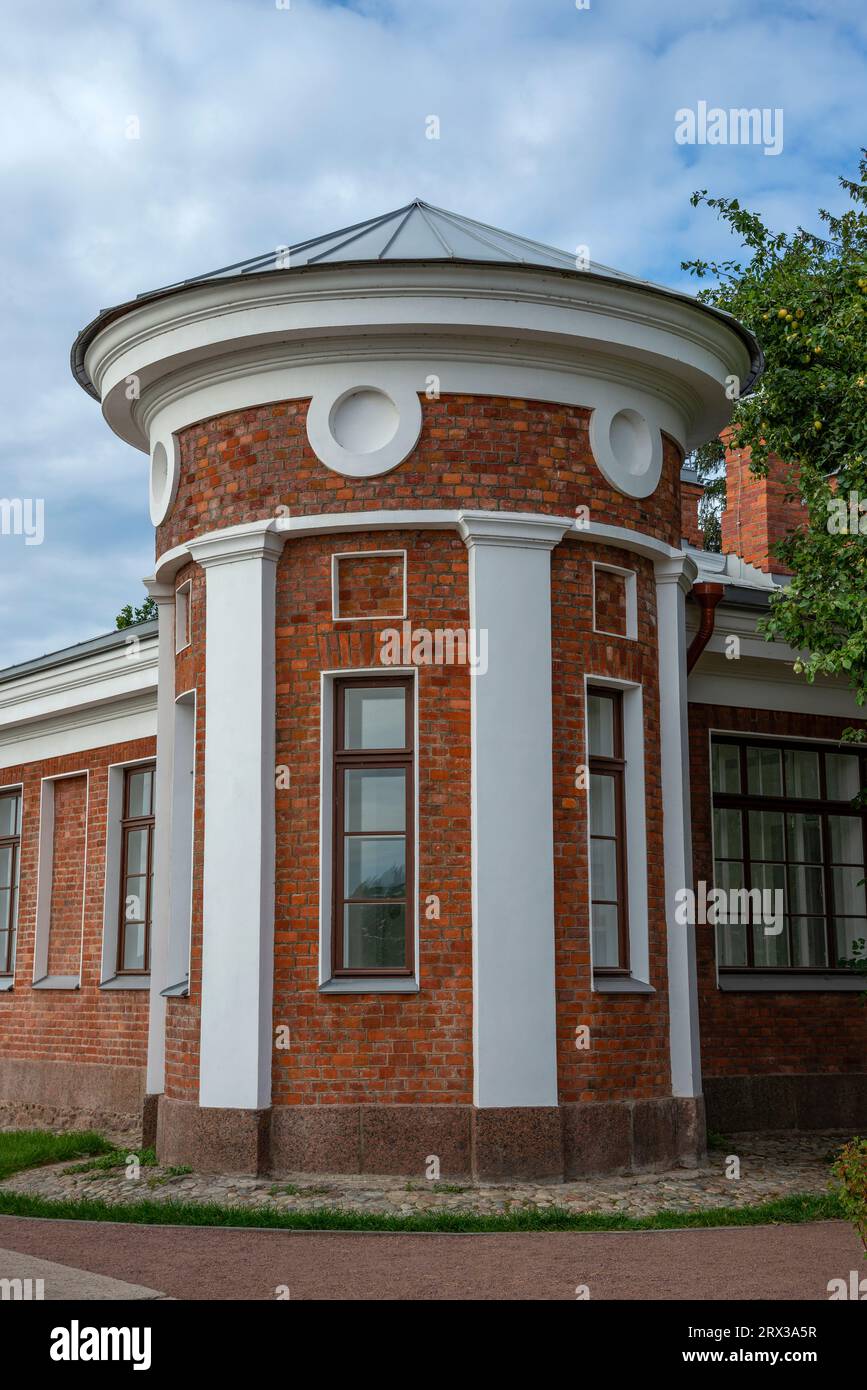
x=129, y=616
x=805, y=296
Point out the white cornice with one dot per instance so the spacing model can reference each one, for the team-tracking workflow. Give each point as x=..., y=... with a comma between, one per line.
x=113, y=674
x=689, y=350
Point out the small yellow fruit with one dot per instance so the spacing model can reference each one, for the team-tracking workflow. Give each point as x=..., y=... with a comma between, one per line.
x=817, y=424
x=799, y=313
x=781, y=313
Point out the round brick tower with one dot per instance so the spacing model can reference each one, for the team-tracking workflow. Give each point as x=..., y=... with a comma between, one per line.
x=420, y=812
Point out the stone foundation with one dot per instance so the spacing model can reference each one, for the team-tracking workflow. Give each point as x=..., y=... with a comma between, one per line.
x=820, y=1101
x=70, y=1095
x=544, y=1143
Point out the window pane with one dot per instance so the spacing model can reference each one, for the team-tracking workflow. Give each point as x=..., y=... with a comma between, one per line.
x=375, y=868
x=850, y=935
x=847, y=840
x=770, y=878
x=606, y=943
x=731, y=944
x=848, y=891
x=805, y=837
x=766, y=835
x=9, y=815
x=602, y=818
x=806, y=889
x=5, y=908
x=374, y=717
x=603, y=869
x=727, y=836
x=809, y=941
x=764, y=776
x=137, y=851
x=726, y=767
x=134, y=946
x=374, y=935
x=728, y=873
x=802, y=773
x=5, y=866
x=375, y=798
x=842, y=775
x=5, y=962
x=140, y=793
x=770, y=950
x=135, y=899
x=600, y=725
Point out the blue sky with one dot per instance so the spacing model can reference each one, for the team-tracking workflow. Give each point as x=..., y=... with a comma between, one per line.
x=262, y=125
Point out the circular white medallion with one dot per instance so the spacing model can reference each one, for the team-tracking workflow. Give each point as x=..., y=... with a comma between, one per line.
x=364, y=429
x=164, y=475
x=627, y=448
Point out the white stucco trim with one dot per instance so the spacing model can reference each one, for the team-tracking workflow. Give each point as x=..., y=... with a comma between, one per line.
x=636, y=838
x=164, y=597
x=398, y=400
x=388, y=984
x=673, y=580
x=102, y=726
x=179, y=947
x=83, y=684
x=108, y=976
x=773, y=687
x=514, y=1002
x=239, y=853
x=44, y=881
x=680, y=353
x=631, y=587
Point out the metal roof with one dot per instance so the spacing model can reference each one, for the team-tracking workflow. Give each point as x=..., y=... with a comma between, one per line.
x=416, y=232
x=144, y=631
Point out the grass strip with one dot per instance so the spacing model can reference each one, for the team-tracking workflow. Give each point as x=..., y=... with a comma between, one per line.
x=783, y=1211
x=32, y=1148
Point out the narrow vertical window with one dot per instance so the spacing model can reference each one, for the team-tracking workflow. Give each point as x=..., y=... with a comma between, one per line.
x=136, y=872
x=608, y=914
x=10, y=853
x=372, y=928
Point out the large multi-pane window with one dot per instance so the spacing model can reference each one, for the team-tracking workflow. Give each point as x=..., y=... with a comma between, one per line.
x=372, y=929
x=784, y=820
x=136, y=872
x=607, y=767
x=10, y=849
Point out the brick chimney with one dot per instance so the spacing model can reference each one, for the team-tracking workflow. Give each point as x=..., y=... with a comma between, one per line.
x=691, y=493
x=757, y=512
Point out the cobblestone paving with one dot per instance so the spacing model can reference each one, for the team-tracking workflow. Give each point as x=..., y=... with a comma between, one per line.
x=771, y=1166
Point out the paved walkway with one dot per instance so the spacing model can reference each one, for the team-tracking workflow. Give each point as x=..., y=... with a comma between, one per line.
x=768, y=1166
x=758, y=1262
x=26, y=1277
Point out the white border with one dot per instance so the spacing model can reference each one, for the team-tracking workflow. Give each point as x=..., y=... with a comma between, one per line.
x=335, y=586
x=349, y=381
x=44, y=883
x=631, y=601
x=405, y=984
x=184, y=605
x=7, y=982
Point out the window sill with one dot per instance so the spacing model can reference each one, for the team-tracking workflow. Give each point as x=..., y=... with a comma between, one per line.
x=6, y=982
x=759, y=981
x=58, y=982
x=621, y=984
x=371, y=985
x=126, y=982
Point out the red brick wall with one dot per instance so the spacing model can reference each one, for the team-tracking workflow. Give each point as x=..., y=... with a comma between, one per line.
x=370, y=585
x=758, y=511
x=610, y=602
x=690, y=531
x=392, y=1048
x=183, y=1014
x=628, y=1056
x=67, y=878
x=763, y=1034
x=474, y=451
x=88, y=1024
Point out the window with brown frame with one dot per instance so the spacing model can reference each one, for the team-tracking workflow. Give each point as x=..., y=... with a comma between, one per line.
x=136, y=871
x=784, y=818
x=373, y=804
x=608, y=894
x=10, y=853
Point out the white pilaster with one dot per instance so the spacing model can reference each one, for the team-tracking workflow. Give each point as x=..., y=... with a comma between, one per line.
x=674, y=578
x=164, y=596
x=238, y=906
x=514, y=1014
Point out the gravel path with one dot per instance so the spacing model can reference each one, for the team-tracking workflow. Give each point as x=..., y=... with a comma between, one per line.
x=770, y=1166
x=757, y=1262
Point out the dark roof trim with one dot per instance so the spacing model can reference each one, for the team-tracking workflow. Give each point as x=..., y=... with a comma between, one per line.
x=67, y=655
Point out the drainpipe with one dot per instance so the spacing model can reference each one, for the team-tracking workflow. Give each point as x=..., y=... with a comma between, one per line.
x=707, y=596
